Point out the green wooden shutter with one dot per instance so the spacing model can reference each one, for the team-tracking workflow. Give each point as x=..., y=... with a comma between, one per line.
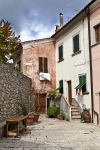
x=45, y=65
x=40, y=64
x=76, y=43
x=61, y=86
x=61, y=52
x=82, y=82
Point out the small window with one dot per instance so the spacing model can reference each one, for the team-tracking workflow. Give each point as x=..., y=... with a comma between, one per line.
x=43, y=64
x=81, y=88
x=61, y=86
x=60, y=52
x=97, y=33
x=76, y=47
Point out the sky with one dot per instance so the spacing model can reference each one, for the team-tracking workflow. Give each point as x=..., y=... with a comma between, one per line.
x=36, y=19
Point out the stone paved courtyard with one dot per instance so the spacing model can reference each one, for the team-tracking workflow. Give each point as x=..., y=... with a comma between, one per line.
x=53, y=134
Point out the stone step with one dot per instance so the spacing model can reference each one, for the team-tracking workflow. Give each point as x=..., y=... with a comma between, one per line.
x=74, y=109
x=75, y=113
x=76, y=117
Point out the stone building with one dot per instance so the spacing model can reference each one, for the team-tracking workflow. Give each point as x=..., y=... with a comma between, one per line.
x=38, y=63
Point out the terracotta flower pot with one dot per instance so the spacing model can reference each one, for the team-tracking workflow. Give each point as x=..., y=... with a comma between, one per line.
x=86, y=117
x=30, y=120
x=36, y=117
x=60, y=117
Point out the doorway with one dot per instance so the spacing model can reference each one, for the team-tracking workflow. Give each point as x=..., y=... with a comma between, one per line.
x=70, y=92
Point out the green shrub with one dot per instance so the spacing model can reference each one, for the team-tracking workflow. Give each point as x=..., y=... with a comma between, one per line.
x=53, y=111
x=54, y=94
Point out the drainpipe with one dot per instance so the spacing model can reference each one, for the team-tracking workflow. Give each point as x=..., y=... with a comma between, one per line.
x=90, y=57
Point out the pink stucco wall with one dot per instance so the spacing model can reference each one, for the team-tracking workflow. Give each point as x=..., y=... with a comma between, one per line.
x=30, y=63
x=95, y=19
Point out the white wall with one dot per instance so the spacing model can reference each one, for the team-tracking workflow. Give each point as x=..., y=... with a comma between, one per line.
x=73, y=66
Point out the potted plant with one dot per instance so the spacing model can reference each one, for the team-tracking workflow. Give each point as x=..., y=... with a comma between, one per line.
x=86, y=116
x=30, y=119
x=60, y=116
x=36, y=117
x=54, y=94
x=24, y=110
x=53, y=111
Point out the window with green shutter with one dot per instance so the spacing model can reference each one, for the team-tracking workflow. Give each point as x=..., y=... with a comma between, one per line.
x=82, y=83
x=60, y=52
x=76, y=47
x=61, y=86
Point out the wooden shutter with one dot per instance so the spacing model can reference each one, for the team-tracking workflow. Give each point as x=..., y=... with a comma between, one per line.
x=61, y=86
x=45, y=65
x=97, y=32
x=61, y=52
x=40, y=64
x=82, y=82
x=76, y=43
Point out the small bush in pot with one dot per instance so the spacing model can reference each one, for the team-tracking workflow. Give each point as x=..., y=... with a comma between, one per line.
x=86, y=116
x=52, y=112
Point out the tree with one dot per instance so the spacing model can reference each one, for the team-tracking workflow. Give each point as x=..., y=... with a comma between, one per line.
x=10, y=45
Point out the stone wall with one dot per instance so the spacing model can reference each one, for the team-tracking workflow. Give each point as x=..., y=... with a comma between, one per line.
x=14, y=88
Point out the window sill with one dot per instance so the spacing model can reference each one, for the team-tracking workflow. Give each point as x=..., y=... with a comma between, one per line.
x=95, y=44
x=60, y=60
x=76, y=53
x=85, y=93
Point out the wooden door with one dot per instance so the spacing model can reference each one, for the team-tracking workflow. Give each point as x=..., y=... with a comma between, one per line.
x=42, y=103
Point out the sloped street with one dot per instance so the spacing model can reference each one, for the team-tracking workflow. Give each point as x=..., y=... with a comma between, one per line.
x=53, y=134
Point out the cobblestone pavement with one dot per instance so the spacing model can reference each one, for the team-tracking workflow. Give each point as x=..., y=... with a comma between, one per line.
x=53, y=134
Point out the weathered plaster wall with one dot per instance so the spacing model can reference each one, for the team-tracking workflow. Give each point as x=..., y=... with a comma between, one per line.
x=95, y=19
x=30, y=63
x=14, y=87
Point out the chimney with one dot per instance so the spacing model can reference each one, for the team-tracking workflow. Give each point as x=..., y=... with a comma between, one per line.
x=61, y=19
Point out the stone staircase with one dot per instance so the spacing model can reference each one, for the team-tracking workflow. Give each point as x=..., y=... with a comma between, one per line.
x=75, y=110
x=75, y=114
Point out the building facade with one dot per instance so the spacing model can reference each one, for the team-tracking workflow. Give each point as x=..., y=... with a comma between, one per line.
x=38, y=63
x=72, y=60
x=68, y=60
x=95, y=49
